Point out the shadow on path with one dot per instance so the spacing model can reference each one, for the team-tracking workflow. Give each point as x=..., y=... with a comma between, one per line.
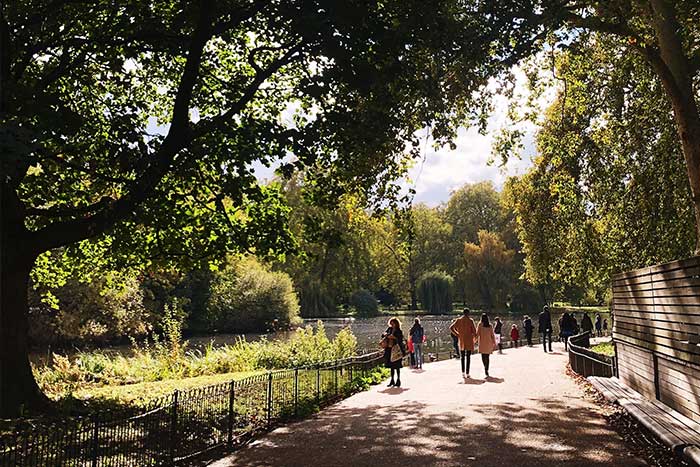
x=496, y=434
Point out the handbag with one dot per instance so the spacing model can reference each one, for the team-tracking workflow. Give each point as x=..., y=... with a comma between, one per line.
x=396, y=353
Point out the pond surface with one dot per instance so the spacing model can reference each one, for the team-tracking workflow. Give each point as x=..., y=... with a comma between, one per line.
x=367, y=330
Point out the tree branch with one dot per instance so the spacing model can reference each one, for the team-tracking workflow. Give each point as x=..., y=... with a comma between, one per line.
x=63, y=233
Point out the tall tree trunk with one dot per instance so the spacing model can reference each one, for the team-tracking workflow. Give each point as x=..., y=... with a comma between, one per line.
x=18, y=388
x=673, y=67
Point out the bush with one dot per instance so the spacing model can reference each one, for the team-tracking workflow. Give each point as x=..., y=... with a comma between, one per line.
x=435, y=292
x=248, y=297
x=108, y=308
x=364, y=302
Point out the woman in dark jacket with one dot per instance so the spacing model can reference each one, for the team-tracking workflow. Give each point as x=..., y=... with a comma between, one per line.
x=395, y=336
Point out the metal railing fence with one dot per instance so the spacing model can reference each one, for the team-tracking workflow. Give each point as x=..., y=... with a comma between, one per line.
x=187, y=423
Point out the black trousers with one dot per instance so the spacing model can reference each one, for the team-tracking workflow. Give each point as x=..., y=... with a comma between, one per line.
x=455, y=343
x=547, y=335
x=465, y=359
x=486, y=361
x=529, y=338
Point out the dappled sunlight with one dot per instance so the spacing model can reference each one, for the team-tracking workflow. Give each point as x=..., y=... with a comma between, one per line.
x=443, y=420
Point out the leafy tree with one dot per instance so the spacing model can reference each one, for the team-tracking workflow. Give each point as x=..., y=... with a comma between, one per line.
x=489, y=267
x=435, y=292
x=473, y=207
x=102, y=310
x=364, y=302
x=607, y=192
x=660, y=32
x=137, y=122
x=247, y=297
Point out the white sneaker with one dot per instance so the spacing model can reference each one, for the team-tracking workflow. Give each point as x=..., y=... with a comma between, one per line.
x=467, y=375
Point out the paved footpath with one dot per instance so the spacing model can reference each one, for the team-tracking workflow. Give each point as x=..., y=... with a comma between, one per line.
x=529, y=413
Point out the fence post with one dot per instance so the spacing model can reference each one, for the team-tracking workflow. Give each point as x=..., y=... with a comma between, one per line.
x=173, y=426
x=231, y=400
x=269, y=398
x=95, y=441
x=335, y=377
x=296, y=392
x=318, y=384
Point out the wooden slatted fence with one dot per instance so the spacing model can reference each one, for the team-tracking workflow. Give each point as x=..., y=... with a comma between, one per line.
x=656, y=327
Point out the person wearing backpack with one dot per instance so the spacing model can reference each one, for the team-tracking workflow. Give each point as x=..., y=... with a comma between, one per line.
x=417, y=334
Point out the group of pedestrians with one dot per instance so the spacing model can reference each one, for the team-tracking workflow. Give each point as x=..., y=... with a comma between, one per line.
x=485, y=338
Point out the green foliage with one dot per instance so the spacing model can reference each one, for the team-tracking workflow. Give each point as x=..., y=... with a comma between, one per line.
x=107, y=308
x=316, y=301
x=489, y=268
x=376, y=376
x=364, y=302
x=435, y=292
x=609, y=191
x=247, y=296
x=165, y=359
x=606, y=348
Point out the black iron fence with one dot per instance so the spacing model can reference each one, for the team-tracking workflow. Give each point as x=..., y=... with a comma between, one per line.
x=586, y=362
x=187, y=423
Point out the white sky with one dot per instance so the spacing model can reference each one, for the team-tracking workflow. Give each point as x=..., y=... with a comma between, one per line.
x=445, y=170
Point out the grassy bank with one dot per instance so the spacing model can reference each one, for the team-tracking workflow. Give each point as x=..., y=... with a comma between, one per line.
x=169, y=362
x=606, y=348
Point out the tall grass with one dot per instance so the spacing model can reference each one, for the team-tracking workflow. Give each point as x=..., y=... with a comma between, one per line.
x=168, y=357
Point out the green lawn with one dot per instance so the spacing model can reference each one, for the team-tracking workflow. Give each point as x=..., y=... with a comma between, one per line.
x=606, y=348
x=140, y=393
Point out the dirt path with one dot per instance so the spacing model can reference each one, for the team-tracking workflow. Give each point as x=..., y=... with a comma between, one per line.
x=529, y=413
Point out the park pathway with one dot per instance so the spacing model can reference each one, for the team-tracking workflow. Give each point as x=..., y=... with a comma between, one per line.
x=529, y=413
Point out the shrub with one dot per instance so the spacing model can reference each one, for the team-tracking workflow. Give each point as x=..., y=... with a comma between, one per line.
x=107, y=308
x=364, y=302
x=247, y=296
x=435, y=292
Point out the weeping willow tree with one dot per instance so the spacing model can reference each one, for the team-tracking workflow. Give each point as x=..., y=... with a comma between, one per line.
x=435, y=292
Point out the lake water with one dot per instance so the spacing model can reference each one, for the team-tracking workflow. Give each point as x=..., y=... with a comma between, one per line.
x=368, y=332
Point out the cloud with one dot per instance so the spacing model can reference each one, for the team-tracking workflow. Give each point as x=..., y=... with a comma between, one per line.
x=444, y=171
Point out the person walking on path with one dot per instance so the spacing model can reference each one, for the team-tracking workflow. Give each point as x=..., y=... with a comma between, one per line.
x=598, y=325
x=455, y=338
x=586, y=324
x=417, y=334
x=605, y=326
x=574, y=324
x=497, y=330
x=394, y=356
x=566, y=328
x=514, y=335
x=465, y=330
x=486, y=338
x=528, y=327
x=545, y=327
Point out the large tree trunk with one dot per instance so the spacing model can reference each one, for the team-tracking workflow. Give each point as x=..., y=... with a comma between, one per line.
x=18, y=388
x=673, y=67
